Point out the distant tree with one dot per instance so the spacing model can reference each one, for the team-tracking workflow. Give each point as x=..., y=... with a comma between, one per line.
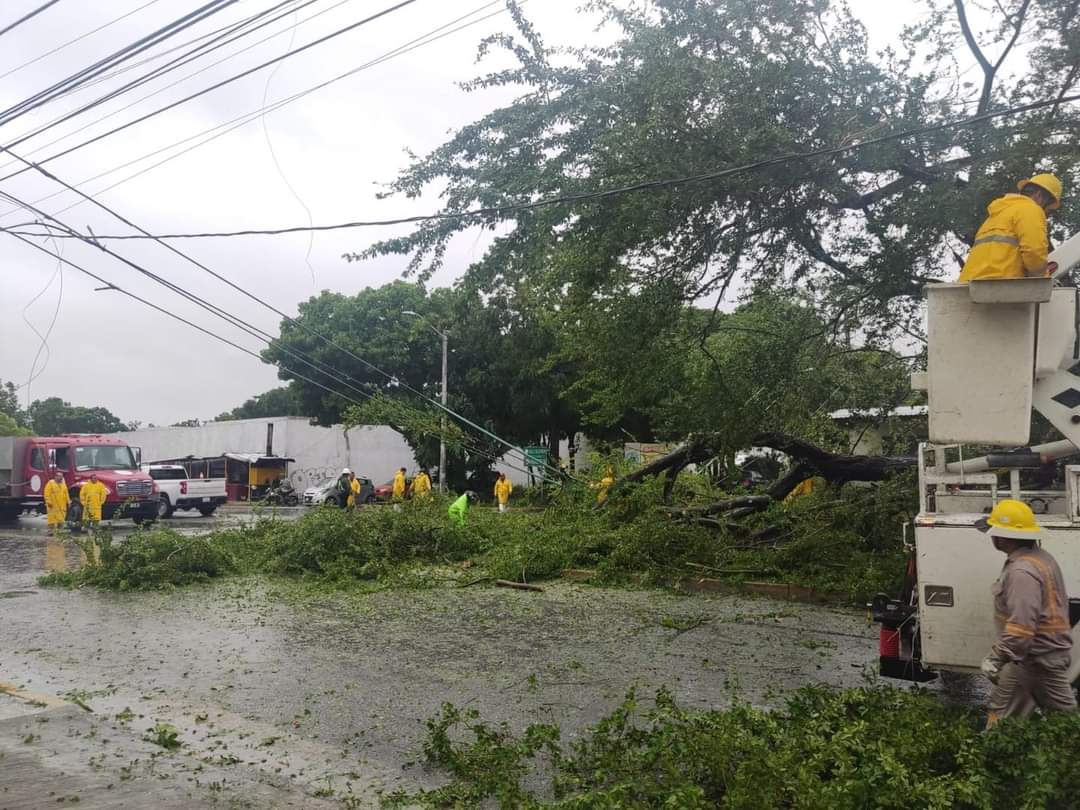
x=186, y=423
x=9, y=427
x=9, y=404
x=53, y=416
x=283, y=401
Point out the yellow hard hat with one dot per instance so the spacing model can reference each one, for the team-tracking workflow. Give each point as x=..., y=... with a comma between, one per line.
x=1048, y=183
x=1012, y=519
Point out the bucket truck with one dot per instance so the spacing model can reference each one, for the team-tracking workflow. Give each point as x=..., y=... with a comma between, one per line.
x=997, y=349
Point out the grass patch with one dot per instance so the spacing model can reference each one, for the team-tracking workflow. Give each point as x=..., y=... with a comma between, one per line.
x=833, y=750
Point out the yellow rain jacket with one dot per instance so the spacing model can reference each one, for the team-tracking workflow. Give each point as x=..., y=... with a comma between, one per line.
x=57, y=501
x=399, y=486
x=603, y=485
x=1011, y=243
x=503, y=488
x=92, y=496
x=354, y=487
x=421, y=485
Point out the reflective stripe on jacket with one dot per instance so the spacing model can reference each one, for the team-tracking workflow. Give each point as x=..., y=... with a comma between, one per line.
x=1011, y=243
x=1031, y=607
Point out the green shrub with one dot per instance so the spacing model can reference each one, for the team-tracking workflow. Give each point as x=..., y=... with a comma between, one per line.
x=146, y=560
x=847, y=541
x=825, y=750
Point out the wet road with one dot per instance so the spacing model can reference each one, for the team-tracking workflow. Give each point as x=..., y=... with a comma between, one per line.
x=331, y=692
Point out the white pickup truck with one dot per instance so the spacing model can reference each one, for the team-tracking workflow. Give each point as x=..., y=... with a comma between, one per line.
x=177, y=491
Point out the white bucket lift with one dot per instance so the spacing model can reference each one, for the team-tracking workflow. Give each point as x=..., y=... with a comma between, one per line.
x=999, y=347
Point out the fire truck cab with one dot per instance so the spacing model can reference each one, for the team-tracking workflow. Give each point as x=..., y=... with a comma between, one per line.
x=27, y=464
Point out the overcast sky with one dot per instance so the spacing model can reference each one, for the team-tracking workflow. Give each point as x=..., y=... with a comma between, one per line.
x=334, y=147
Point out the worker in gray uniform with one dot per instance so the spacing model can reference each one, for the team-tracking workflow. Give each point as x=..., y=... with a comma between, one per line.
x=1029, y=662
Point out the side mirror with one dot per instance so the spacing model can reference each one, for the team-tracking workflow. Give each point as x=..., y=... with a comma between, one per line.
x=137, y=452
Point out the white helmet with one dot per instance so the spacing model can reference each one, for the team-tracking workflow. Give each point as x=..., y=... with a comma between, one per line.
x=346, y=471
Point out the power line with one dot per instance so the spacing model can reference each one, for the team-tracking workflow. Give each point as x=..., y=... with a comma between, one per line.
x=223, y=82
x=613, y=192
x=246, y=118
x=206, y=46
x=296, y=322
x=28, y=16
x=277, y=163
x=79, y=38
x=160, y=35
x=43, y=346
x=232, y=33
x=253, y=331
x=108, y=285
x=161, y=54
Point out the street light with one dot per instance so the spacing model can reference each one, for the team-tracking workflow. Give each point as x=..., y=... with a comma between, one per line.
x=442, y=433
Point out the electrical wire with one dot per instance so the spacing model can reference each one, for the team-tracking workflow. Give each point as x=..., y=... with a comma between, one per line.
x=235, y=30
x=28, y=16
x=161, y=54
x=277, y=163
x=232, y=33
x=128, y=51
x=237, y=322
x=295, y=322
x=43, y=346
x=246, y=118
x=79, y=38
x=223, y=82
x=108, y=285
x=613, y=192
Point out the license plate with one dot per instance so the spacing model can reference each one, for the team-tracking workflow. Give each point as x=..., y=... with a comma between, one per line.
x=206, y=500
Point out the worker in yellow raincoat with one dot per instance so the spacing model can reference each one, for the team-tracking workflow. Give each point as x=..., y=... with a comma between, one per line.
x=354, y=490
x=603, y=485
x=1012, y=242
x=397, y=494
x=92, y=496
x=503, y=488
x=57, y=501
x=421, y=485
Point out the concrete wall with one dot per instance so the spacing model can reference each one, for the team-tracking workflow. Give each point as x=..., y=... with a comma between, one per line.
x=375, y=452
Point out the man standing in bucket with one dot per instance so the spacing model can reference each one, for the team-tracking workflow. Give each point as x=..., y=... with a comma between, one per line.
x=1012, y=242
x=1030, y=660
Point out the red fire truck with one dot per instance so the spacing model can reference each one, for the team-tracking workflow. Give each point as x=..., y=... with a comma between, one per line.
x=26, y=464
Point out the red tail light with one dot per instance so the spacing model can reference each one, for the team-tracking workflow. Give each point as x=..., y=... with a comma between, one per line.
x=183, y=487
x=889, y=643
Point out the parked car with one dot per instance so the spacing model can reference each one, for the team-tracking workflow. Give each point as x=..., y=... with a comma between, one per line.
x=177, y=491
x=385, y=492
x=326, y=492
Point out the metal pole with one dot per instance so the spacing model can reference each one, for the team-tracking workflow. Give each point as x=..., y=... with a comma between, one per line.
x=442, y=434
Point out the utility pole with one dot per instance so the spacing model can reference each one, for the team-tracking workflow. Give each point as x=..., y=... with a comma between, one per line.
x=442, y=433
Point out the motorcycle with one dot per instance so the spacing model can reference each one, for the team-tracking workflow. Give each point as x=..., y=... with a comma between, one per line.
x=283, y=494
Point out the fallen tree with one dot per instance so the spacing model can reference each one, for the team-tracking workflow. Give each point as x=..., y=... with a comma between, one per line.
x=810, y=461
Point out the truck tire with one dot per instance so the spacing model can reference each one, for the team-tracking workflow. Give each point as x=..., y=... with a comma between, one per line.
x=370, y=500
x=141, y=520
x=165, y=507
x=207, y=511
